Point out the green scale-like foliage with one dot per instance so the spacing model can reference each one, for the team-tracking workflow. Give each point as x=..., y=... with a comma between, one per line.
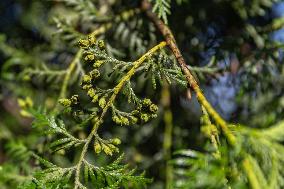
x=257, y=158
x=115, y=174
x=78, y=96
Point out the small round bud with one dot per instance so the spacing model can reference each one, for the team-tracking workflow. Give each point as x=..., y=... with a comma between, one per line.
x=86, y=87
x=116, y=119
x=98, y=63
x=102, y=102
x=95, y=98
x=144, y=117
x=124, y=121
x=89, y=57
x=134, y=120
x=65, y=102
x=147, y=102
x=153, y=108
x=116, y=141
x=101, y=44
x=107, y=149
x=83, y=43
x=87, y=79
x=95, y=73
x=97, y=148
x=21, y=102
x=91, y=92
x=75, y=99
x=92, y=39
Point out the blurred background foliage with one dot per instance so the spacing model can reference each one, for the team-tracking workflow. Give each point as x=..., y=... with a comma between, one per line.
x=235, y=49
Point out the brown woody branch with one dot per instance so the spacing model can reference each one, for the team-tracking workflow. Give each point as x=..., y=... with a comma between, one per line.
x=171, y=42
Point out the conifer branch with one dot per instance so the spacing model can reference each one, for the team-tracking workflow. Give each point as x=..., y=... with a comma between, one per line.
x=116, y=90
x=232, y=156
x=171, y=42
x=125, y=15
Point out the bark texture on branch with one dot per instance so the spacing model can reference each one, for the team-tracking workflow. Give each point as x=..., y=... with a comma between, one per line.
x=171, y=42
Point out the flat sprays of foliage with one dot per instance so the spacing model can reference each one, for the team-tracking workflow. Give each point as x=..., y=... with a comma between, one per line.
x=93, y=95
